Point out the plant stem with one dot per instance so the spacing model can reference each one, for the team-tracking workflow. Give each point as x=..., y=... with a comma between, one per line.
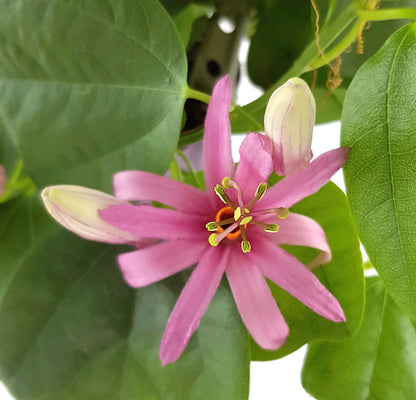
x=190, y=167
x=197, y=95
x=389, y=13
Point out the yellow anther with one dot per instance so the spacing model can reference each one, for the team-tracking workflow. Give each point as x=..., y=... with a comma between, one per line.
x=272, y=228
x=246, y=220
x=261, y=190
x=237, y=213
x=211, y=226
x=245, y=246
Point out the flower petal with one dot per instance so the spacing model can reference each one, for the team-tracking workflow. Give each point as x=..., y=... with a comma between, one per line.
x=141, y=185
x=294, y=188
x=77, y=209
x=255, y=164
x=257, y=307
x=152, y=222
x=299, y=230
x=217, y=158
x=143, y=267
x=192, y=303
x=291, y=275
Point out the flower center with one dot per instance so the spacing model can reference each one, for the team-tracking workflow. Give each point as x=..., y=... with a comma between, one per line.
x=231, y=221
x=224, y=219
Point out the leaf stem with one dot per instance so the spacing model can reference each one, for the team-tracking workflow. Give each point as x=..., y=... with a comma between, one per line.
x=190, y=167
x=388, y=13
x=197, y=95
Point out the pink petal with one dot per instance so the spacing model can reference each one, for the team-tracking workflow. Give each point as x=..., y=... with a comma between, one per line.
x=294, y=188
x=141, y=185
x=152, y=222
x=256, y=305
x=217, y=159
x=299, y=230
x=291, y=275
x=255, y=164
x=192, y=303
x=143, y=267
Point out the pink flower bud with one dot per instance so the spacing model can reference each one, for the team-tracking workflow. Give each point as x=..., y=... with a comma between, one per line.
x=289, y=122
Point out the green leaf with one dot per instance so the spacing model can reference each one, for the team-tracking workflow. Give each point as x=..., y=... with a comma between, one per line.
x=378, y=123
x=72, y=329
x=186, y=18
x=343, y=276
x=275, y=20
x=98, y=86
x=379, y=362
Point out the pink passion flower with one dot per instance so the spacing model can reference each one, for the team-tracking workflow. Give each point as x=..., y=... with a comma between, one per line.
x=234, y=227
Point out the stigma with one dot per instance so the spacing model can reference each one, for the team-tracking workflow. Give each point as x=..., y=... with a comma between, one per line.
x=232, y=221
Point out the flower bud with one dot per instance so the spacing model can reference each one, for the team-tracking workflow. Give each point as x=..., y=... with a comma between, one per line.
x=289, y=122
x=3, y=179
x=76, y=208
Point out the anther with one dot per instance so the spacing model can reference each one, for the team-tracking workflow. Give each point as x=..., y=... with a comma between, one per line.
x=245, y=246
x=211, y=226
x=220, y=191
x=260, y=191
x=272, y=228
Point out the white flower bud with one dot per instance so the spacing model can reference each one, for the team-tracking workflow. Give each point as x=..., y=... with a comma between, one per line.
x=289, y=122
x=76, y=208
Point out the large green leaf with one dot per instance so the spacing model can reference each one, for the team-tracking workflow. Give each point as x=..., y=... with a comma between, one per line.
x=72, y=329
x=379, y=362
x=88, y=88
x=272, y=50
x=343, y=276
x=378, y=124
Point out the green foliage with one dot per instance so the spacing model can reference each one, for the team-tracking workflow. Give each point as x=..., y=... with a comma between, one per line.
x=72, y=329
x=343, y=276
x=92, y=85
x=377, y=124
x=274, y=21
x=379, y=362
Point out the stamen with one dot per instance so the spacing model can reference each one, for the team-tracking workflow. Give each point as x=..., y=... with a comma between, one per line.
x=272, y=228
x=246, y=220
x=220, y=191
x=260, y=191
x=245, y=244
x=211, y=226
x=237, y=213
x=246, y=247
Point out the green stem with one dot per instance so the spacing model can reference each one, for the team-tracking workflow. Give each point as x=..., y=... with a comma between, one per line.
x=388, y=13
x=336, y=50
x=197, y=95
x=175, y=170
x=190, y=167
